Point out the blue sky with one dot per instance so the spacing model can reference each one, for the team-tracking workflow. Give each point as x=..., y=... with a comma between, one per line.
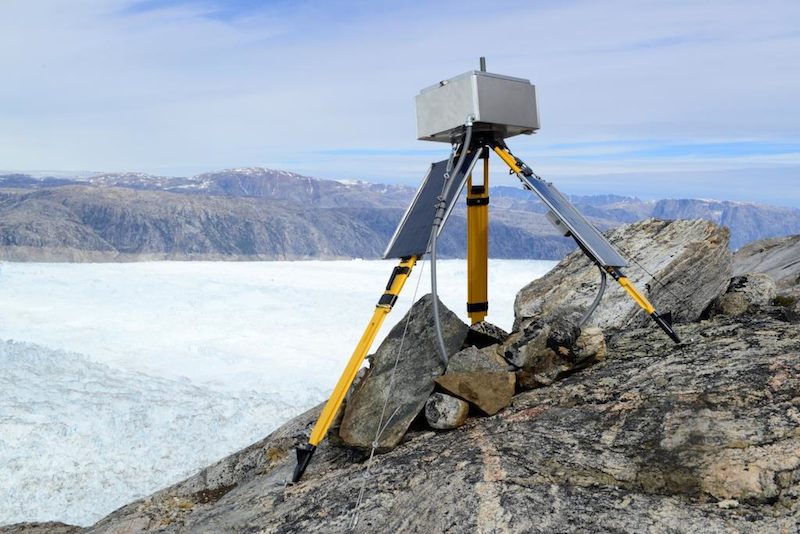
x=651, y=98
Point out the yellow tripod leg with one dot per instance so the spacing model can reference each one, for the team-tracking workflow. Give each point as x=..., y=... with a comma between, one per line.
x=398, y=279
x=640, y=299
x=507, y=158
x=663, y=321
x=478, y=245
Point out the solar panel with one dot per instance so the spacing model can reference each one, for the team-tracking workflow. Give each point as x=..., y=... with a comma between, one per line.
x=584, y=232
x=414, y=231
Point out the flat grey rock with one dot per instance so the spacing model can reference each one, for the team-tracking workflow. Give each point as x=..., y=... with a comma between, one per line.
x=417, y=368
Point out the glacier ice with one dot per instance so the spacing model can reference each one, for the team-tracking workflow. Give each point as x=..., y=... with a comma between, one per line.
x=119, y=379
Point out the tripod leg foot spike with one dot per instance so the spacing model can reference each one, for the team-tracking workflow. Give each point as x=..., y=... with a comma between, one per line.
x=304, y=454
x=665, y=322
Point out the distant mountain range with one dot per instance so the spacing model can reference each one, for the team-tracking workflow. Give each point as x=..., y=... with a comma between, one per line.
x=256, y=213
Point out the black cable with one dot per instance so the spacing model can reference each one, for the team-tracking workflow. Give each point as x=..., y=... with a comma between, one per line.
x=441, y=207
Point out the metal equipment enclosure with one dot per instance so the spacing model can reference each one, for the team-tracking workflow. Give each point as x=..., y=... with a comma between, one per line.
x=502, y=105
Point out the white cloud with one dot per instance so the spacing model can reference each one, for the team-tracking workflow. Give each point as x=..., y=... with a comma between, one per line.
x=89, y=85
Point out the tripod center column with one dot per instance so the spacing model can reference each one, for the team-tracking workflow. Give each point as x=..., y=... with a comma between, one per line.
x=478, y=244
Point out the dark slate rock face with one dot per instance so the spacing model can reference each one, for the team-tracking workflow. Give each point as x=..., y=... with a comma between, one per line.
x=418, y=367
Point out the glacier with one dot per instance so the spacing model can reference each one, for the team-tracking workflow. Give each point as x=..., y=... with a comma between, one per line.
x=120, y=379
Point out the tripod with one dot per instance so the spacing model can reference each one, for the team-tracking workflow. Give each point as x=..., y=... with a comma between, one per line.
x=435, y=199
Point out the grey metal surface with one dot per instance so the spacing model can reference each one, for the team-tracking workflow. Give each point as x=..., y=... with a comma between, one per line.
x=593, y=242
x=502, y=105
x=412, y=236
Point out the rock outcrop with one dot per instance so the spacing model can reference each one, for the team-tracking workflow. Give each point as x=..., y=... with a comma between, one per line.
x=778, y=257
x=688, y=262
x=659, y=437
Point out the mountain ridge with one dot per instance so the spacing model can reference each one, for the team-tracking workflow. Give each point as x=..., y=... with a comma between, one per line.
x=255, y=213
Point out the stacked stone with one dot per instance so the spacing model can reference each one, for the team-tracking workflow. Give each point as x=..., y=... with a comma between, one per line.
x=681, y=265
x=485, y=369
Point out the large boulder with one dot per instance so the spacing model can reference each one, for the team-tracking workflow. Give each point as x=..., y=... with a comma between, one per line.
x=688, y=262
x=417, y=368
